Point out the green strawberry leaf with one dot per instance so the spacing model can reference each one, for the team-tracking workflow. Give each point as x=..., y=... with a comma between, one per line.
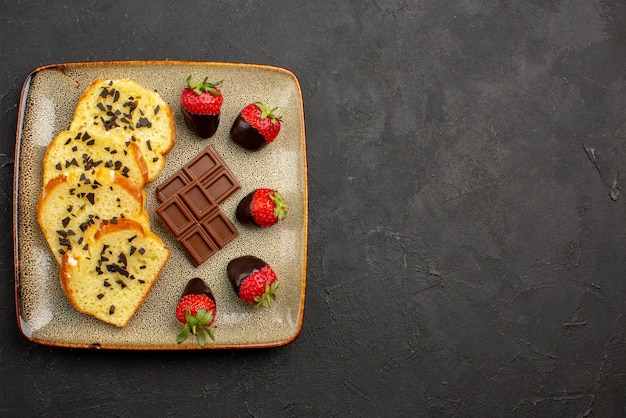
x=267, y=113
x=200, y=88
x=208, y=317
x=280, y=208
x=267, y=297
x=199, y=314
x=197, y=326
x=183, y=334
x=201, y=337
x=209, y=331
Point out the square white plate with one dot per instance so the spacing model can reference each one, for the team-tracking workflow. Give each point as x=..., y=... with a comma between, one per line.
x=47, y=104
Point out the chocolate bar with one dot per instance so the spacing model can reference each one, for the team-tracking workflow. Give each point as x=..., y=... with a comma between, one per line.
x=204, y=167
x=190, y=209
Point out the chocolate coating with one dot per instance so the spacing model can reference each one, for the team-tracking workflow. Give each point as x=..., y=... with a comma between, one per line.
x=202, y=125
x=246, y=135
x=197, y=286
x=241, y=267
x=243, y=212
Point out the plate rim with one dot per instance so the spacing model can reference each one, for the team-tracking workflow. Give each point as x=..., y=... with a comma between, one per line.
x=22, y=105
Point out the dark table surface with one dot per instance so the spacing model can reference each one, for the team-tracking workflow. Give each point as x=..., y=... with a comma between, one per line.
x=467, y=234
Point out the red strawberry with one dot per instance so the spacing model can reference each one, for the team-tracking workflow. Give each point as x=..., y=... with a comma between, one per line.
x=196, y=310
x=253, y=280
x=255, y=127
x=201, y=104
x=262, y=207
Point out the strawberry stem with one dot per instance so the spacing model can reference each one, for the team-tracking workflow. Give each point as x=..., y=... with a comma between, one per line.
x=200, y=88
x=268, y=296
x=201, y=338
x=267, y=113
x=197, y=325
x=183, y=334
x=280, y=208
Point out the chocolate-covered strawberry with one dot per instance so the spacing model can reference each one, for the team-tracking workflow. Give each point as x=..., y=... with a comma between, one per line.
x=196, y=310
x=201, y=104
x=262, y=207
x=253, y=280
x=255, y=127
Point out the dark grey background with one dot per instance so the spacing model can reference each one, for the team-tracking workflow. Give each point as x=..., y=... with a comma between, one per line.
x=467, y=233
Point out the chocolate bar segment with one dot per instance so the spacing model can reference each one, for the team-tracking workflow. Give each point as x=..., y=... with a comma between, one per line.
x=198, y=245
x=175, y=216
x=190, y=209
x=220, y=228
x=220, y=185
x=206, y=166
x=172, y=185
x=197, y=199
x=204, y=163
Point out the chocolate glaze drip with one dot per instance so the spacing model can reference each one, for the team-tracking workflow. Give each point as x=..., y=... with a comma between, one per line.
x=241, y=267
x=197, y=286
x=202, y=125
x=243, y=212
x=246, y=135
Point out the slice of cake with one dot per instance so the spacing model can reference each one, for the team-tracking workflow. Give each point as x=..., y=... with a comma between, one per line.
x=124, y=107
x=112, y=274
x=69, y=204
x=81, y=151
